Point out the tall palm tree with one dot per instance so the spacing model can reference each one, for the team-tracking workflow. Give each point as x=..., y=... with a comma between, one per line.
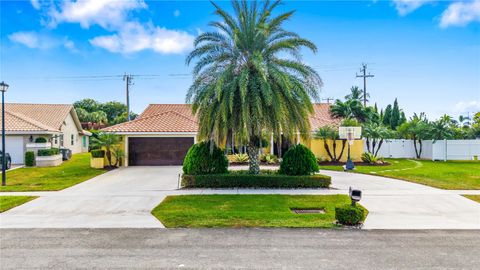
x=249, y=77
x=357, y=94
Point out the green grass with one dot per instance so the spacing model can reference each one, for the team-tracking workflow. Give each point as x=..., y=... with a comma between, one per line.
x=473, y=197
x=196, y=211
x=70, y=173
x=9, y=202
x=445, y=175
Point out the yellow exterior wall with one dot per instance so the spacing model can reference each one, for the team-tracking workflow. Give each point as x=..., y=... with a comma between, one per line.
x=316, y=145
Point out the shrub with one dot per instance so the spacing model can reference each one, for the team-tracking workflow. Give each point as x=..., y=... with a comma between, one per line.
x=204, y=158
x=349, y=215
x=97, y=153
x=240, y=158
x=269, y=159
x=298, y=160
x=40, y=140
x=243, y=180
x=29, y=159
x=48, y=152
x=369, y=158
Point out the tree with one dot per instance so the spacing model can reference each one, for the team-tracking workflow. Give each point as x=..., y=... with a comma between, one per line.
x=330, y=133
x=387, y=115
x=374, y=135
x=440, y=130
x=113, y=109
x=99, y=117
x=417, y=129
x=351, y=108
x=88, y=104
x=356, y=93
x=108, y=141
x=249, y=78
x=395, y=116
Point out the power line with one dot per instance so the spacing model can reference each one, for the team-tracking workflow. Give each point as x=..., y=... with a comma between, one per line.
x=364, y=76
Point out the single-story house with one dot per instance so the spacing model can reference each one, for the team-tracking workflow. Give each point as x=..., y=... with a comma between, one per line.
x=58, y=123
x=163, y=133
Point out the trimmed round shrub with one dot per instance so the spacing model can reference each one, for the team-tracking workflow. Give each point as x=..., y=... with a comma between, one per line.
x=40, y=140
x=205, y=158
x=29, y=158
x=48, y=152
x=349, y=215
x=97, y=153
x=298, y=160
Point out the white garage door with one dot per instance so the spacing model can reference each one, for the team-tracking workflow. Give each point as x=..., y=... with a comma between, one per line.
x=14, y=146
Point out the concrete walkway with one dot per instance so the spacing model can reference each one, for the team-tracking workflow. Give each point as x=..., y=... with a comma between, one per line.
x=124, y=198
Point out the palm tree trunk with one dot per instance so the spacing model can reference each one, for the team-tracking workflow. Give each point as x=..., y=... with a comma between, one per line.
x=108, y=153
x=415, y=146
x=343, y=148
x=379, y=145
x=420, y=150
x=253, y=164
x=368, y=145
x=325, y=145
x=334, y=144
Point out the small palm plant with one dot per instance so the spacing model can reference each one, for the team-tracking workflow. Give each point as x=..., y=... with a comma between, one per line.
x=107, y=141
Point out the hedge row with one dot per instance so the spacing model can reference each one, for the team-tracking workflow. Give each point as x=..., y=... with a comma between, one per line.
x=236, y=180
x=48, y=152
x=97, y=153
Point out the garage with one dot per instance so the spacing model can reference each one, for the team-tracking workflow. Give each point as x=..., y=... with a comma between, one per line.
x=158, y=151
x=14, y=146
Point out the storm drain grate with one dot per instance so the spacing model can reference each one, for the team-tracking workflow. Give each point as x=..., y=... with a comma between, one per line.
x=307, y=211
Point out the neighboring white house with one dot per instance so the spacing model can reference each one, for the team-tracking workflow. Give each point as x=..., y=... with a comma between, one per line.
x=58, y=123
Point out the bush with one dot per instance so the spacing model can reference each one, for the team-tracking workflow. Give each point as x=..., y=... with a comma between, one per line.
x=269, y=159
x=29, y=159
x=243, y=180
x=240, y=158
x=298, y=160
x=97, y=153
x=369, y=158
x=48, y=152
x=40, y=140
x=205, y=158
x=349, y=215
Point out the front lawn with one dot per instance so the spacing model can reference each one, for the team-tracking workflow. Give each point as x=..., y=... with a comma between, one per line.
x=9, y=202
x=473, y=197
x=195, y=211
x=445, y=175
x=68, y=174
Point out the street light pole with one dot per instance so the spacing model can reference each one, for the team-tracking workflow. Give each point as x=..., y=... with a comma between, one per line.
x=3, y=88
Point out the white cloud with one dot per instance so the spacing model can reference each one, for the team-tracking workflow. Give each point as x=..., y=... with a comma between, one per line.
x=135, y=37
x=35, y=4
x=407, y=6
x=36, y=40
x=106, y=13
x=176, y=13
x=467, y=106
x=461, y=13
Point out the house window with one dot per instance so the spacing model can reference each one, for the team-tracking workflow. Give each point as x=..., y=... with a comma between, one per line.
x=61, y=140
x=84, y=141
x=72, y=139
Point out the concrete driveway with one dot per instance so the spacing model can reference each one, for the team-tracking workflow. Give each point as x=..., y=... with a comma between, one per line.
x=123, y=198
x=120, y=198
x=396, y=204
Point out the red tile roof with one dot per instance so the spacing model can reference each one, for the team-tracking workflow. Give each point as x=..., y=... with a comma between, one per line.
x=179, y=118
x=49, y=115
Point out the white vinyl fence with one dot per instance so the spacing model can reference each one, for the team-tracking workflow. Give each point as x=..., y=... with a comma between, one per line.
x=438, y=150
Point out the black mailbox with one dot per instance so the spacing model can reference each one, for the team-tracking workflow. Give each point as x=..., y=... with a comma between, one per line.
x=355, y=195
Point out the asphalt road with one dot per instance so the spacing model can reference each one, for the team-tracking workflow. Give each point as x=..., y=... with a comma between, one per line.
x=238, y=249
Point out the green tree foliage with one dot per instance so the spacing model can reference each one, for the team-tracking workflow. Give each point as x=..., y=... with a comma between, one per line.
x=111, y=112
x=299, y=160
x=375, y=134
x=357, y=94
x=249, y=78
x=387, y=115
x=417, y=129
x=330, y=133
x=205, y=158
x=351, y=108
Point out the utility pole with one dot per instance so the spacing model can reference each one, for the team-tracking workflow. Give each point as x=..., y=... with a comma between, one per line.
x=328, y=99
x=364, y=76
x=128, y=81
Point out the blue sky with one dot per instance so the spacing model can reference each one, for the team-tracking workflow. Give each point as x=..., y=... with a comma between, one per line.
x=426, y=53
